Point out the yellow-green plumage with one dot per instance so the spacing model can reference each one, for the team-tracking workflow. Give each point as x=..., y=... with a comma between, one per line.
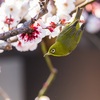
x=68, y=39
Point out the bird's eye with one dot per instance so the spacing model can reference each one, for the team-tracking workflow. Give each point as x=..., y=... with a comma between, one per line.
x=52, y=50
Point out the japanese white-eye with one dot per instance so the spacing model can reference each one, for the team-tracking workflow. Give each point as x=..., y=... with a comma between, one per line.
x=68, y=39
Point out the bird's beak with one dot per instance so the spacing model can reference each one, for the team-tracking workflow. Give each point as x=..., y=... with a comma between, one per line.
x=47, y=54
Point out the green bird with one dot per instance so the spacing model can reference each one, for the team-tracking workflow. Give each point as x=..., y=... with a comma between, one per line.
x=68, y=39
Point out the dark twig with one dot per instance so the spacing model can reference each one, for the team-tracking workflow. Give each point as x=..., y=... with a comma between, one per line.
x=82, y=5
x=52, y=70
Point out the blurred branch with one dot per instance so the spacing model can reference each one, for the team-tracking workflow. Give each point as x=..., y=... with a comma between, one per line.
x=43, y=11
x=78, y=2
x=4, y=94
x=12, y=39
x=51, y=68
x=82, y=5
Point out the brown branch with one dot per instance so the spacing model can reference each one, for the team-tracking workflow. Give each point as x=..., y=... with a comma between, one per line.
x=25, y=28
x=52, y=70
x=43, y=11
x=5, y=35
x=12, y=39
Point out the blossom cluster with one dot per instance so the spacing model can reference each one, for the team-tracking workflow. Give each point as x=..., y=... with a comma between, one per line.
x=94, y=8
x=14, y=11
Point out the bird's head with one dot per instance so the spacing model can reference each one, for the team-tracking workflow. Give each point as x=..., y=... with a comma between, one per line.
x=57, y=49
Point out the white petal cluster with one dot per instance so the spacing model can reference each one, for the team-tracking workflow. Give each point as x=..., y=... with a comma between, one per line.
x=13, y=11
x=55, y=31
x=1, y=41
x=93, y=24
x=22, y=46
x=64, y=7
x=31, y=43
x=33, y=10
x=42, y=98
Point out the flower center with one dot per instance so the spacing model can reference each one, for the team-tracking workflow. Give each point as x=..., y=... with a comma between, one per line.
x=33, y=34
x=8, y=21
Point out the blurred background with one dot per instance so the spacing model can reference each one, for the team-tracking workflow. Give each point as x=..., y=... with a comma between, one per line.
x=22, y=74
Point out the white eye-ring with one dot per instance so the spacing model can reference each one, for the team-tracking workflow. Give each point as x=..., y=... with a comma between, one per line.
x=53, y=50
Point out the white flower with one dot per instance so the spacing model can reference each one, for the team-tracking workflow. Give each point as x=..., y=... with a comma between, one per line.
x=34, y=8
x=24, y=9
x=1, y=41
x=93, y=24
x=3, y=27
x=23, y=46
x=52, y=29
x=11, y=8
x=64, y=7
x=10, y=13
x=1, y=51
x=54, y=19
x=42, y=98
x=51, y=7
x=29, y=41
x=54, y=33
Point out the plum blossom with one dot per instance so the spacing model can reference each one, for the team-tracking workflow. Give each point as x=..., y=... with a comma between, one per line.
x=24, y=8
x=9, y=17
x=93, y=24
x=1, y=42
x=42, y=98
x=22, y=46
x=48, y=25
x=12, y=12
x=52, y=28
x=3, y=28
x=33, y=10
x=29, y=41
x=94, y=8
x=64, y=7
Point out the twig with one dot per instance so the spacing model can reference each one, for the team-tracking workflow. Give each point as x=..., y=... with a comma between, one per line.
x=42, y=12
x=4, y=94
x=52, y=70
x=82, y=5
x=49, y=63
x=12, y=39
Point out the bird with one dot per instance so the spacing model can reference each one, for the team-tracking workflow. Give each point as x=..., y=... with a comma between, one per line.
x=68, y=39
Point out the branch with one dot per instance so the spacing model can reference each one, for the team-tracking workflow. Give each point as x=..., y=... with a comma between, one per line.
x=25, y=28
x=43, y=11
x=52, y=70
x=82, y=5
